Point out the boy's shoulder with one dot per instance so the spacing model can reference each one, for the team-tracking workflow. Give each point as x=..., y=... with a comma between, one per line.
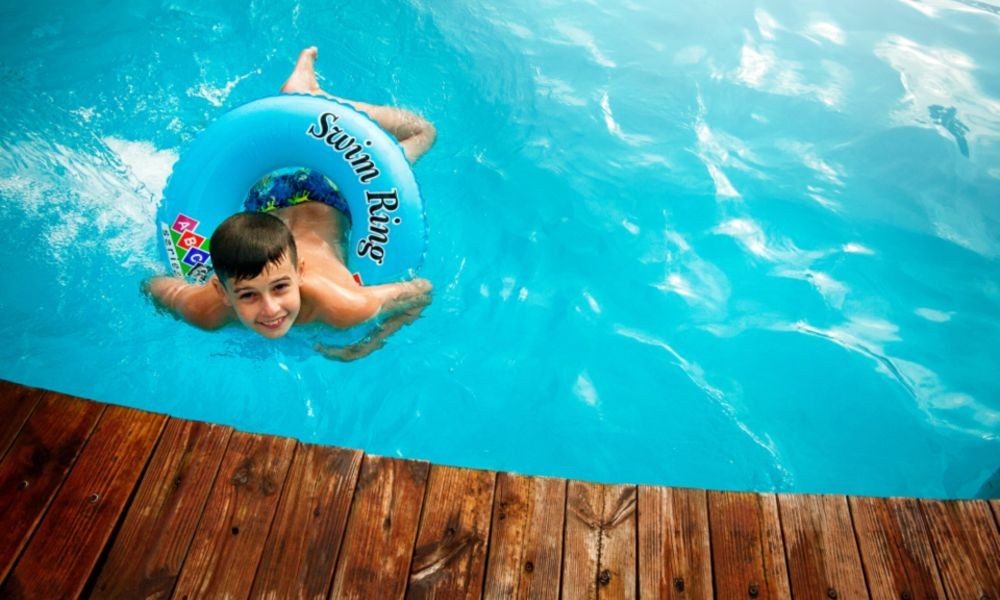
x=331, y=302
x=201, y=305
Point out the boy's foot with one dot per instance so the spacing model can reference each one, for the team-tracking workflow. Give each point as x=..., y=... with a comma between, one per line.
x=303, y=77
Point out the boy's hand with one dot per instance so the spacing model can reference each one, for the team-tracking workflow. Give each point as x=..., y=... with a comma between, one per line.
x=376, y=339
x=351, y=352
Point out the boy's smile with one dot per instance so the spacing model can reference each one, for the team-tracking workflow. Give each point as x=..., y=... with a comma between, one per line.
x=268, y=303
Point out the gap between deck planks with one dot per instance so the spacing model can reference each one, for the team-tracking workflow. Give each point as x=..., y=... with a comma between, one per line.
x=115, y=502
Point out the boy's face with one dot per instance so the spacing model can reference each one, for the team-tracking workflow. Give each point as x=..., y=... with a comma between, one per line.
x=268, y=303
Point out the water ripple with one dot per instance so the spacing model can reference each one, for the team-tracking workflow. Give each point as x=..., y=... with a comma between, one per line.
x=941, y=406
x=697, y=376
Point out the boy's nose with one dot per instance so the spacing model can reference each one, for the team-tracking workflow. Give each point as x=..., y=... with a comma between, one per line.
x=270, y=306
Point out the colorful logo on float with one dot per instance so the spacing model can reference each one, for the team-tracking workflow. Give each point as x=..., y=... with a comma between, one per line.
x=189, y=251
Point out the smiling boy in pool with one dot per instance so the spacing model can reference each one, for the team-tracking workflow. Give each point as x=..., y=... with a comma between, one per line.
x=286, y=266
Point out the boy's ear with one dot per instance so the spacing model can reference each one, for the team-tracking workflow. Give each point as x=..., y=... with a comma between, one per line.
x=221, y=291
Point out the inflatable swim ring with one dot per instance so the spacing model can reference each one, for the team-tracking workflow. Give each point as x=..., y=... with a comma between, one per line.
x=291, y=135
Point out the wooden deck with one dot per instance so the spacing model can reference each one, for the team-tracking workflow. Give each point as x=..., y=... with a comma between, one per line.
x=108, y=502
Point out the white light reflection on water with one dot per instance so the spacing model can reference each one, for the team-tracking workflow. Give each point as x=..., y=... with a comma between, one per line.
x=761, y=67
x=938, y=8
x=692, y=277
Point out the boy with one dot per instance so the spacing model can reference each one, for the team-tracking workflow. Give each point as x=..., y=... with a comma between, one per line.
x=275, y=269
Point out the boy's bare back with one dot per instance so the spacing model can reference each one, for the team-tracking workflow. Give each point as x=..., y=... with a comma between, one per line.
x=320, y=233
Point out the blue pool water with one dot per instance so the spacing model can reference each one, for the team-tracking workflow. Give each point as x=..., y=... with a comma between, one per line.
x=737, y=245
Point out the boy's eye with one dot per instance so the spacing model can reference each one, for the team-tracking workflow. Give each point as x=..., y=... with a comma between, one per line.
x=245, y=296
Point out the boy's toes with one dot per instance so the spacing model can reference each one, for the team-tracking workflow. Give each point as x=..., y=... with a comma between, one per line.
x=308, y=55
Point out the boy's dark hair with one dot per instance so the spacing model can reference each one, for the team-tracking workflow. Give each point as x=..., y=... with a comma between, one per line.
x=245, y=243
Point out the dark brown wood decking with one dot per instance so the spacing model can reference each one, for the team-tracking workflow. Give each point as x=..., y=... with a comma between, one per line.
x=108, y=502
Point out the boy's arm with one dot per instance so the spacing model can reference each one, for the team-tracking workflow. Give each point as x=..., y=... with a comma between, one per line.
x=346, y=307
x=199, y=305
x=400, y=297
x=415, y=134
x=400, y=304
x=374, y=340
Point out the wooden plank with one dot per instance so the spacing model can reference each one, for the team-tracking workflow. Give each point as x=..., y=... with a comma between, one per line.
x=382, y=528
x=896, y=548
x=16, y=404
x=37, y=464
x=674, y=551
x=236, y=521
x=301, y=552
x=525, y=554
x=823, y=559
x=582, y=540
x=966, y=545
x=148, y=551
x=450, y=559
x=599, y=550
x=748, y=554
x=69, y=541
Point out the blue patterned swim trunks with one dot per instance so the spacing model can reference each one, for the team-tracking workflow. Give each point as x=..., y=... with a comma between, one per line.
x=288, y=187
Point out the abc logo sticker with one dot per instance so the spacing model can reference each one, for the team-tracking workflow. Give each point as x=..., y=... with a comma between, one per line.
x=190, y=240
x=196, y=256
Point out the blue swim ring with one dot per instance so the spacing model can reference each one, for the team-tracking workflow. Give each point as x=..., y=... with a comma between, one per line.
x=286, y=134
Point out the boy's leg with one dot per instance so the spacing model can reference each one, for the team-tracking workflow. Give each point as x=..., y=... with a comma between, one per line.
x=303, y=77
x=309, y=216
x=414, y=133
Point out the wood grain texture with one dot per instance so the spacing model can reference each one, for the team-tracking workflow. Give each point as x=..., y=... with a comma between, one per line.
x=748, y=553
x=273, y=514
x=16, y=404
x=450, y=557
x=823, y=558
x=381, y=530
x=599, y=558
x=895, y=549
x=68, y=543
x=674, y=546
x=146, y=556
x=302, y=549
x=525, y=554
x=229, y=540
x=36, y=466
x=966, y=546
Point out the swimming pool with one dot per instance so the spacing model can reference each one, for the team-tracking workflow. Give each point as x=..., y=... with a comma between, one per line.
x=727, y=245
